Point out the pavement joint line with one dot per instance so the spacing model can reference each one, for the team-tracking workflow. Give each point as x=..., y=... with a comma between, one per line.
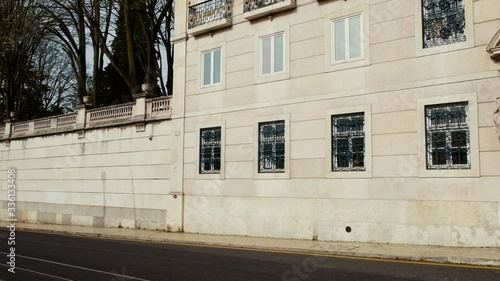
x=229, y=246
x=39, y=273
x=79, y=267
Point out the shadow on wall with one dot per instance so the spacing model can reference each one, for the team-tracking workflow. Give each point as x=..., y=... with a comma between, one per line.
x=496, y=118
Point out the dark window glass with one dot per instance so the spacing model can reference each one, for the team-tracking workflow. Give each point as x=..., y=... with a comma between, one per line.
x=348, y=142
x=210, y=150
x=272, y=147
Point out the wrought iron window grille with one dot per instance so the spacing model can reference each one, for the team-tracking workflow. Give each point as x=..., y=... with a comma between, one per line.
x=348, y=142
x=272, y=147
x=447, y=136
x=210, y=150
x=443, y=22
x=251, y=5
x=209, y=11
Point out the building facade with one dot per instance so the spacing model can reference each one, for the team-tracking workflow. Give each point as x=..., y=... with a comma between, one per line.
x=358, y=120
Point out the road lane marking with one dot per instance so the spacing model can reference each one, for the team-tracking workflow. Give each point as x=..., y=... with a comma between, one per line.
x=39, y=273
x=79, y=267
x=82, y=235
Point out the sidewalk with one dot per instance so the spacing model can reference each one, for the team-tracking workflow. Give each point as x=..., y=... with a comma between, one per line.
x=472, y=256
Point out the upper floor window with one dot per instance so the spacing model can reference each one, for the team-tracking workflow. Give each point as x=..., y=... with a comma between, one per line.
x=210, y=150
x=272, y=50
x=443, y=22
x=348, y=142
x=211, y=67
x=347, y=41
x=272, y=147
x=447, y=136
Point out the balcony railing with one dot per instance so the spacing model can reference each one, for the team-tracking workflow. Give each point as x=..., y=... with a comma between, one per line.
x=110, y=114
x=254, y=9
x=158, y=108
x=251, y=5
x=130, y=113
x=209, y=11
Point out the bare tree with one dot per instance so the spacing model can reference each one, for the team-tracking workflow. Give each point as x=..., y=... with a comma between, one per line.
x=22, y=30
x=66, y=20
x=155, y=18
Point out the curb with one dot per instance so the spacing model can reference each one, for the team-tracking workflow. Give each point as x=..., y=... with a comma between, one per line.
x=493, y=264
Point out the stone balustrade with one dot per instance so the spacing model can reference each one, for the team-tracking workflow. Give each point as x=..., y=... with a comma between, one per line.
x=141, y=110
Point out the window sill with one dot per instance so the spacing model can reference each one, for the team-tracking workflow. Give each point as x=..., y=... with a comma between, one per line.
x=347, y=64
x=421, y=52
x=211, y=88
x=272, y=176
x=273, y=77
x=455, y=173
x=271, y=9
x=219, y=176
x=205, y=28
x=349, y=175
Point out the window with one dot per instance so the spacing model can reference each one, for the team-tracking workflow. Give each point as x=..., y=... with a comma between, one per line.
x=211, y=67
x=347, y=39
x=447, y=136
x=443, y=22
x=348, y=142
x=272, y=147
x=272, y=54
x=210, y=150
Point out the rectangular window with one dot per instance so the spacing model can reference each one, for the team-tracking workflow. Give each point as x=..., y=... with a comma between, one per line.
x=211, y=67
x=443, y=22
x=348, y=142
x=347, y=39
x=210, y=150
x=272, y=54
x=447, y=136
x=272, y=147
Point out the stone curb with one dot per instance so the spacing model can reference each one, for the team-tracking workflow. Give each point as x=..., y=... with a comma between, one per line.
x=441, y=259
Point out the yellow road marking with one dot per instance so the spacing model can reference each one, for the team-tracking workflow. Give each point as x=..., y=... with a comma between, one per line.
x=285, y=252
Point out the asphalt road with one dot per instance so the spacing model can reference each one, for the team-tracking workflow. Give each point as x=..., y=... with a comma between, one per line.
x=42, y=257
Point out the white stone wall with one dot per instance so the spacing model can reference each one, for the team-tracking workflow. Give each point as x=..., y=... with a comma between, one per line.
x=396, y=203
x=113, y=177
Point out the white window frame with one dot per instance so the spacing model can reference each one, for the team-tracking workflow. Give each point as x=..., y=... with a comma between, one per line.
x=469, y=32
x=272, y=30
x=261, y=53
x=364, y=12
x=199, y=88
x=368, y=172
x=474, y=171
x=347, y=43
x=221, y=174
x=212, y=56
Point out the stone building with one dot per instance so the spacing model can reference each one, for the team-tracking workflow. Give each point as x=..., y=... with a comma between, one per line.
x=357, y=120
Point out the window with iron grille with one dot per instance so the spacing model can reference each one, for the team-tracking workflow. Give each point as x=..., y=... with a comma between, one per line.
x=348, y=142
x=447, y=136
x=210, y=150
x=443, y=22
x=272, y=147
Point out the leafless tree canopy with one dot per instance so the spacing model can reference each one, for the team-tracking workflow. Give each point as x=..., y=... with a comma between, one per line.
x=54, y=52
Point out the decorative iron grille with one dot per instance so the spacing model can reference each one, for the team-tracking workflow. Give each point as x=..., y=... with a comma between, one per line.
x=443, y=22
x=251, y=5
x=272, y=147
x=209, y=11
x=210, y=150
x=447, y=136
x=348, y=142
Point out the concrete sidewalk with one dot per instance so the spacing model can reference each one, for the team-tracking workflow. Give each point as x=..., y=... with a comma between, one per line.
x=472, y=256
